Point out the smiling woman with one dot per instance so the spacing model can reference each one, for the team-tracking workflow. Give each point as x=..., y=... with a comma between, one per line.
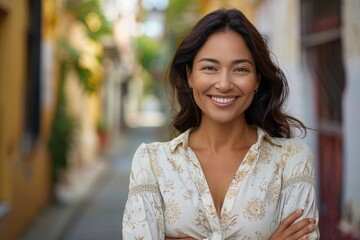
x=234, y=172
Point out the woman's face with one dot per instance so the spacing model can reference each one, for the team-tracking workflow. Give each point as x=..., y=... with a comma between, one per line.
x=223, y=77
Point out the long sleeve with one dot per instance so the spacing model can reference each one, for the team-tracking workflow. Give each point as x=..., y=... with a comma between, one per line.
x=298, y=185
x=143, y=215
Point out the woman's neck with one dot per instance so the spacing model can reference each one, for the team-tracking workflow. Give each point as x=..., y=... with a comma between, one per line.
x=216, y=137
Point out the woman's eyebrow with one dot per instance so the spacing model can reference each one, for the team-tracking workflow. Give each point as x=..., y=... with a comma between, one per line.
x=244, y=60
x=237, y=61
x=209, y=60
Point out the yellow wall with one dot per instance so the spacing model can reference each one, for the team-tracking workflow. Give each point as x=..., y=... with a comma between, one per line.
x=24, y=175
x=4, y=192
x=11, y=73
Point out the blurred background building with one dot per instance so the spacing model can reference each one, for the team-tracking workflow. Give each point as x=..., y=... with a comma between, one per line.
x=75, y=75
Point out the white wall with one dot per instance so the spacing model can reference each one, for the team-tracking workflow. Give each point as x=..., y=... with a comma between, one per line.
x=280, y=22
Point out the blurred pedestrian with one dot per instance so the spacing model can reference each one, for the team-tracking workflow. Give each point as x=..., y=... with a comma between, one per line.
x=235, y=171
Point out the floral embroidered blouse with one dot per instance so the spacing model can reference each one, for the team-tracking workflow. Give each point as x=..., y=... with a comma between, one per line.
x=169, y=195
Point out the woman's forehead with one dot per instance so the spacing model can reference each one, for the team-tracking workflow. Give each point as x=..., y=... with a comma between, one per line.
x=225, y=45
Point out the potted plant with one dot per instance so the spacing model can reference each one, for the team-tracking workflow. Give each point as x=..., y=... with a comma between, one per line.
x=103, y=134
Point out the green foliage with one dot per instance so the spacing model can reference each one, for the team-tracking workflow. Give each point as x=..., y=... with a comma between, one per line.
x=62, y=131
x=84, y=76
x=69, y=53
x=60, y=142
x=148, y=51
x=149, y=83
x=84, y=9
x=101, y=126
x=180, y=15
x=72, y=57
x=64, y=125
x=89, y=13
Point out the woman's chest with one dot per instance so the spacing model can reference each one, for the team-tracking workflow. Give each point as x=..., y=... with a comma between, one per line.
x=249, y=209
x=219, y=173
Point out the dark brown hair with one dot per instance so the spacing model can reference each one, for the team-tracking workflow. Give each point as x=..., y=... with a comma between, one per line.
x=266, y=109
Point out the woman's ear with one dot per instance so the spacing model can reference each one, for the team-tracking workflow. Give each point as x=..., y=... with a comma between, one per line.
x=189, y=75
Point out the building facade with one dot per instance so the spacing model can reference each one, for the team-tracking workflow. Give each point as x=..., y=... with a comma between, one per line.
x=24, y=119
x=30, y=73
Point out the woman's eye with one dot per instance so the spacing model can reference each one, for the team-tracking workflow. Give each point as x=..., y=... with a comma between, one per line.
x=240, y=69
x=208, y=68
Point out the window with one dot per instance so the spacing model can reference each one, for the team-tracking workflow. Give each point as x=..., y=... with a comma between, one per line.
x=32, y=81
x=4, y=207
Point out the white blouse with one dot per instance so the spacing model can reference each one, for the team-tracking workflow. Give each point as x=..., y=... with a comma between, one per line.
x=169, y=195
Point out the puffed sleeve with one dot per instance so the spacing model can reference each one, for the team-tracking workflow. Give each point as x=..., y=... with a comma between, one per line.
x=298, y=184
x=143, y=215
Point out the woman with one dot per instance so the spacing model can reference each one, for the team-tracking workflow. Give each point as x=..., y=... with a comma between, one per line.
x=234, y=172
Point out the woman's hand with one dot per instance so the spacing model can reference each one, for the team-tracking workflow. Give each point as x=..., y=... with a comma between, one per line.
x=288, y=230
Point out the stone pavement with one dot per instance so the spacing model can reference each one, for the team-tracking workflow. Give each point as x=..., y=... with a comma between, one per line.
x=99, y=214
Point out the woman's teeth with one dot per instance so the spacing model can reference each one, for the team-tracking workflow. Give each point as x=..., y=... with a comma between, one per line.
x=223, y=100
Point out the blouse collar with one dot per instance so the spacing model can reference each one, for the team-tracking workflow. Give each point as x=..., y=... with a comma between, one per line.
x=183, y=139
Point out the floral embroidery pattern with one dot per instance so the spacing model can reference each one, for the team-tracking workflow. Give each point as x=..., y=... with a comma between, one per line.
x=265, y=154
x=254, y=209
x=271, y=190
x=143, y=188
x=298, y=179
x=250, y=158
x=176, y=167
x=202, y=222
x=228, y=220
x=172, y=212
x=232, y=192
x=188, y=194
x=239, y=175
x=258, y=235
x=273, y=193
x=156, y=168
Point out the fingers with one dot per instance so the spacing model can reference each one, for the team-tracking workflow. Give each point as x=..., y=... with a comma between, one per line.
x=289, y=220
x=289, y=230
x=300, y=229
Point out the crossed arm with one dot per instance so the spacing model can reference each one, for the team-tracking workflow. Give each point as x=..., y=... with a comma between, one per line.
x=287, y=230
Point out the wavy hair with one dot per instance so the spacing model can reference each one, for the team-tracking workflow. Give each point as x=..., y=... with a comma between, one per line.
x=266, y=109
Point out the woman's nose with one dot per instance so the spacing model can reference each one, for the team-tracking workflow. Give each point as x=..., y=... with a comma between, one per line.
x=224, y=83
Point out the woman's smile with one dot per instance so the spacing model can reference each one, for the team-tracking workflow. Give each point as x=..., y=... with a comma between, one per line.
x=223, y=100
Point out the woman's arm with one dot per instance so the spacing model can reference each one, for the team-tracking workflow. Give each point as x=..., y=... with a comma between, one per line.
x=143, y=215
x=287, y=230
x=298, y=188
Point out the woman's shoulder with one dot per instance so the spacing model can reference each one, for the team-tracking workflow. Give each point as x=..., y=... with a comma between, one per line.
x=296, y=157
x=294, y=145
x=167, y=146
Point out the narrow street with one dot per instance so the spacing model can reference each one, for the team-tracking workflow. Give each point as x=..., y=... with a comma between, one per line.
x=99, y=216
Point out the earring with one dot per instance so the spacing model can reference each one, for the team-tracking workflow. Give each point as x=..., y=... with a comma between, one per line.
x=255, y=91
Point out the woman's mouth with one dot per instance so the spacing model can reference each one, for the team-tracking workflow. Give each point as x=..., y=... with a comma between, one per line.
x=223, y=100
